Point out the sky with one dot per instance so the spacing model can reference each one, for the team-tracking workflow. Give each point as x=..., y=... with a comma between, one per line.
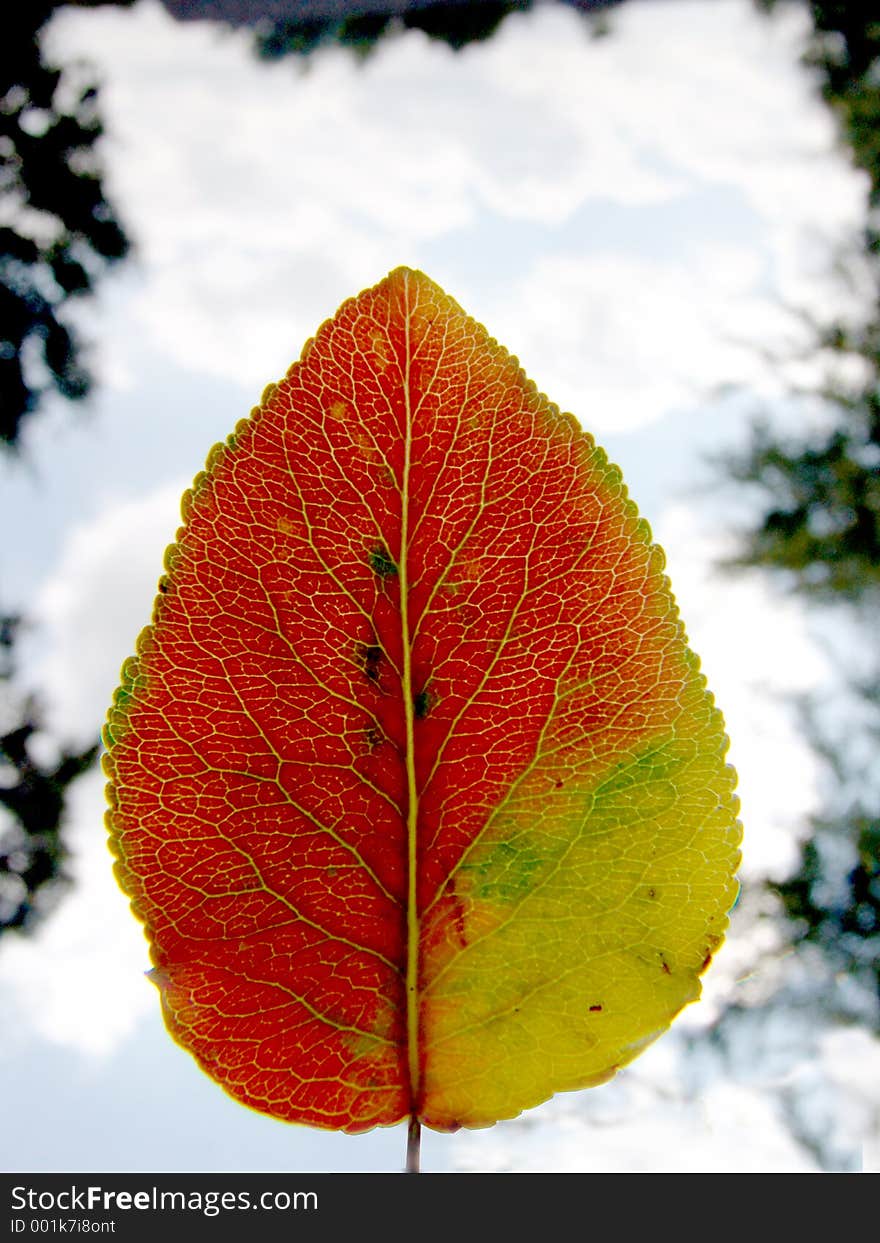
x=638, y=218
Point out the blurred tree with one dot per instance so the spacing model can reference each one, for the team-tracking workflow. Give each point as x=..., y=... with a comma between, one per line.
x=58, y=234
x=59, y=230
x=818, y=527
x=843, y=49
x=299, y=27
x=454, y=24
x=32, y=854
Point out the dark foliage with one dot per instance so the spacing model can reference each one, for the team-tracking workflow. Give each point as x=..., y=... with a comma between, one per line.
x=300, y=27
x=843, y=920
x=32, y=854
x=456, y=24
x=821, y=498
x=63, y=231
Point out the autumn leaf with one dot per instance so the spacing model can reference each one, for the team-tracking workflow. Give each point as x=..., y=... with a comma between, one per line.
x=414, y=780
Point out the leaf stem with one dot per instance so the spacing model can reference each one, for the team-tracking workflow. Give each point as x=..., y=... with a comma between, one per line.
x=413, y=1145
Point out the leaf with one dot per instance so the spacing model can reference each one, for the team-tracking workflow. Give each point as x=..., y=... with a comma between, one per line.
x=415, y=782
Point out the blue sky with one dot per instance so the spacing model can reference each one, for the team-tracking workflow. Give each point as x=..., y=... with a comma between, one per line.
x=630, y=216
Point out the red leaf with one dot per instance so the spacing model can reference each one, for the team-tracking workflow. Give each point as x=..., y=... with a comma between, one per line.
x=415, y=783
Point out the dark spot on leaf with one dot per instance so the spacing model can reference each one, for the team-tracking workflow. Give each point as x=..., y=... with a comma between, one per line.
x=374, y=737
x=381, y=562
x=652, y=893
x=558, y=785
x=706, y=961
x=371, y=657
x=423, y=703
x=664, y=966
x=595, y=1009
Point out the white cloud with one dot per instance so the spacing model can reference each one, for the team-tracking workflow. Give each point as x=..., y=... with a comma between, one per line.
x=78, y=980
x=262, y=195
x=96, y=602
x=851, y=1059
x=620, y=339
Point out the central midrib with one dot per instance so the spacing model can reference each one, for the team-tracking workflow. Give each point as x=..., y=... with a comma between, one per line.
x=412, y=918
